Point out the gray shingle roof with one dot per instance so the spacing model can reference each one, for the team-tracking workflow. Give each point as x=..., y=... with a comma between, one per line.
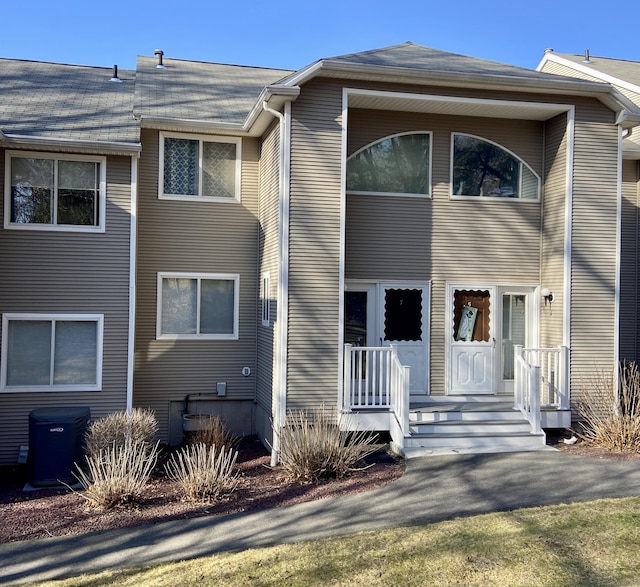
x=413, y=56
x=194, y=90
x=53, y=100
x=628, y=71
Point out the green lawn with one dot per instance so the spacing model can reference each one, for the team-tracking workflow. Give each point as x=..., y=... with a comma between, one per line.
x=587, y=544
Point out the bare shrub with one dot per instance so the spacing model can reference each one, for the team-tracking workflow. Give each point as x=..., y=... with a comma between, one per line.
x=117, y=475
x=139, y=426
x=313, y=447
x=213, y=431
x=205, y=473
x=610, y=420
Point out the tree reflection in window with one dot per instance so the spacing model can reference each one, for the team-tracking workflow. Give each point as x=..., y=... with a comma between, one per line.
x=484, y=169
x=393, y=165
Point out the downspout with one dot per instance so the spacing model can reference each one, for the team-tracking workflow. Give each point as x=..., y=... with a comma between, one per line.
x=280, y=377
x=133, y=228
x=616, y=337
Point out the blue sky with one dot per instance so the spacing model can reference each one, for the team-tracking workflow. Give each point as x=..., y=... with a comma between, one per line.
x=290, y=35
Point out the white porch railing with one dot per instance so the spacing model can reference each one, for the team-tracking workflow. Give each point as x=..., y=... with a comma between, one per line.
x=541, y=379
x=374, y=379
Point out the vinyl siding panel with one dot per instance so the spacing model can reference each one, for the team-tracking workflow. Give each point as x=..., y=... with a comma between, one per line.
x=194, y=237
x=444, y=239
x=268, y=262
x=553, y=230
x=58, y=272
x=594, y=233
x=314, y=245
x=629, y=263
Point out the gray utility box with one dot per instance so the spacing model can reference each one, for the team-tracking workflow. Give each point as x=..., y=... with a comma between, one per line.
x=56, y=439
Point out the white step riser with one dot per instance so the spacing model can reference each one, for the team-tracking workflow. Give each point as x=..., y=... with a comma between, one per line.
x=428, y=417
x=530, y=442
x=462, y=427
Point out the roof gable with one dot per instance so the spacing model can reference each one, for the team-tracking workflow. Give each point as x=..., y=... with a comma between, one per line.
x=623, y=70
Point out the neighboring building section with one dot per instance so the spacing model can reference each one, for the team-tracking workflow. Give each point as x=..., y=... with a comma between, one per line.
x=67, y=158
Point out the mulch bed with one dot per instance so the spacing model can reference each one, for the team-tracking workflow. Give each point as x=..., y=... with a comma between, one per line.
x=60, y=512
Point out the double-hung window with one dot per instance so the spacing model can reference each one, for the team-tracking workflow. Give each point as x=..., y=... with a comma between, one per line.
x=195, y=168
x=55, y=192
x=198, y=306
x=52, y=352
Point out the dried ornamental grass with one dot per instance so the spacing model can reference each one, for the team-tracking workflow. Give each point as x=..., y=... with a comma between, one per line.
x=313, y=447
x=140, y=426
x=610, y=420
x=205, y=473
x=117, y=475
x=213, y=431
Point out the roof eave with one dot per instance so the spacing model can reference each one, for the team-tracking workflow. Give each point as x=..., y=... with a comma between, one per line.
x=455, y=79
x=66, y=144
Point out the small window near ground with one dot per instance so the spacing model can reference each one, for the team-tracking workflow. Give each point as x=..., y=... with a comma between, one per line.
x=203, y=306
x=265, y=299
x=51, y=352
x=199, y=169
x=397, y=165
x=48, y=192
x=484, y=169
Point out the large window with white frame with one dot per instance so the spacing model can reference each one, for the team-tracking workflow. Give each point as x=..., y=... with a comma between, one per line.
x=199, y=168
x=198, y=306
x=482, y=168
x=55, y=192
x=398, y=165
x=51, y=352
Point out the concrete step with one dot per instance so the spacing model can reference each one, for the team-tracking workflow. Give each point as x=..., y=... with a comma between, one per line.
x=466, y=412
x=471, y=426
x=477, y=440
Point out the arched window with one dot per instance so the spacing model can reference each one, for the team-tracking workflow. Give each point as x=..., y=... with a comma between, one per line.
x=396, y=165
x=484, y=169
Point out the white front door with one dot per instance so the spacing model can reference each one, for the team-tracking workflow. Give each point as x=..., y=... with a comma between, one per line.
x=392, y=313
x=472, y=340
x=485, y=323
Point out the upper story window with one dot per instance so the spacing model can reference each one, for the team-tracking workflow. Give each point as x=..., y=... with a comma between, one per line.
x=396, y=165
x=55, y=192
x=52, y=352
x=198, y=306
x=193, y=168
x=484, y=169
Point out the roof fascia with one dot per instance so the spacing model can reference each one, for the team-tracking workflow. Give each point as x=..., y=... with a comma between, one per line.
x=588, y=71
x=59, y=143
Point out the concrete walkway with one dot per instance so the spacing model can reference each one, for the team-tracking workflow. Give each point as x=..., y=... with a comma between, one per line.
x=432, y=489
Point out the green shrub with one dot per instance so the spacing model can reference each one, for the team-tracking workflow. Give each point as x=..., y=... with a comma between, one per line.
x=611, y=420
x=205, y=473
x=313, y=447
x=213, y=431
x=139, y=426
x=117, y=475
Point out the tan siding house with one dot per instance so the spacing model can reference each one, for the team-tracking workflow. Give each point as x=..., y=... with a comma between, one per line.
x=422, y=240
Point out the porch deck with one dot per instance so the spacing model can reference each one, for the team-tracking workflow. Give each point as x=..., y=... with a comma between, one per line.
x=447, y=424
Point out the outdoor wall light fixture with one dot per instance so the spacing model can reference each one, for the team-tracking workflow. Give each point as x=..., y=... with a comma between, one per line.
x=547, y=295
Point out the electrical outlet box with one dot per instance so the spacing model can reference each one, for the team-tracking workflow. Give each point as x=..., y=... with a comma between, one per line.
x=221, y=388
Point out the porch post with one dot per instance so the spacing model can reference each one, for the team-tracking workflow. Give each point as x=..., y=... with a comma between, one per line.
x=344, y=403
